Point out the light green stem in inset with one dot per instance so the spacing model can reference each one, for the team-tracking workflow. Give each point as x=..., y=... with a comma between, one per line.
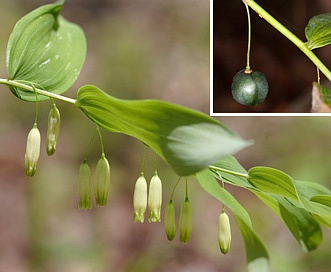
x=248, y=67
x=212, y=167
x=33, y=89
x=289, y=35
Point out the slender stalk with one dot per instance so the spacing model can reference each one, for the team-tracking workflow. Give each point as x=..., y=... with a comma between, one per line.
x=289, y=35
x=30, y=88
x=174, y=189
x=228, y=171
x=248, y=67
x=101, y=140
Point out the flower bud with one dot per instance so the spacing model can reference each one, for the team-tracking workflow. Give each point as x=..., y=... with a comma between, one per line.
x=102, y=183
x=32, y=151
x=53, y=130
x=155, y=199
x=85, y=187
x=224, y=233
x=170, y=221
x=185, y=222
x=140, y=199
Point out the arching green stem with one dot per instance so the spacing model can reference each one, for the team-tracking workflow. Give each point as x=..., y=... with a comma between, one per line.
x=31, y=88
x=289, y=35
x=212, y=167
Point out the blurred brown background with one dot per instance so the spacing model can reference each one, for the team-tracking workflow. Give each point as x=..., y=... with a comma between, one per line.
x=139, y=49
x=289, y=72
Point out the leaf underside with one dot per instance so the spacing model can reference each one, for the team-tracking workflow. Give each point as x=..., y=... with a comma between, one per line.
x=188, y=140
x=45, y=50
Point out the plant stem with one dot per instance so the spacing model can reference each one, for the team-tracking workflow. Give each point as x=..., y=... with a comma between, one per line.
x=33, y=89
x=289, y=35
x=248, y=67
x=228, y=171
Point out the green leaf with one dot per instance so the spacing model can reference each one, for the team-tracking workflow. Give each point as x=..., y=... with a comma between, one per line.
x=322, y=199
x=188, y=140
x=318, y=31
x=256, y=255
x=300, y=222
x=272, y=181
x=45, y=50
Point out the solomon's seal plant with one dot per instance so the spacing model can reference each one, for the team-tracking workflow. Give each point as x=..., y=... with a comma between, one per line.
x=44, y=57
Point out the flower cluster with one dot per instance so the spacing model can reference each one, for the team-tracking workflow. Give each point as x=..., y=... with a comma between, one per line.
x=32, y=152
x=185, y=221
x=152, y=200
x=101, y=186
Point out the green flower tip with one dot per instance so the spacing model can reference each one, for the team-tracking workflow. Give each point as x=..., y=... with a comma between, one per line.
x=53, y=130
x=155, y=199
x=170, y=221
x=185, y=222
x=224, y=233
x=85, y=187
x=102, y=183
x=140, y=199
x=32, y=151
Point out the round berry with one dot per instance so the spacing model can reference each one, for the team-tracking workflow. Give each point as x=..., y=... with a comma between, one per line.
x=249, y=87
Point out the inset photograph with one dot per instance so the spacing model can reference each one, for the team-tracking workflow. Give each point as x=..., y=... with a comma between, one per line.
x=271, y=57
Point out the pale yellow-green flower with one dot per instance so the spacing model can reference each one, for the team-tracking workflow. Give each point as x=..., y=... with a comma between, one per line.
x=224, y=233
x=102, y=181
x=32, y=151
x=140, y=199
x=85, y=187
x=170, y=221
x=155, y=199
x=185, y=221
x=53, y=130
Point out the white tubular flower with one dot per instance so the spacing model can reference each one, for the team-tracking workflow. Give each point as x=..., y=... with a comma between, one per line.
x=32, y=151
x=140, y=199
x=155, y=199
x=224, y=233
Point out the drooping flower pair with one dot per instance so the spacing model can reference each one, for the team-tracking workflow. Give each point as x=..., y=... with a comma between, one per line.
x=101, y=186
x=152, y=199
x=185, y=221
x=32, y=152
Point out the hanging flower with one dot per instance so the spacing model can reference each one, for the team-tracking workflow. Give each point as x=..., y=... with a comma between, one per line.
x=170, y=221
x=85, y=187
x=185, y=221
x=32, y=151
x=155, y=199
x=224, y=233
x=53, y=130
x=140, y=199
x=102, y=183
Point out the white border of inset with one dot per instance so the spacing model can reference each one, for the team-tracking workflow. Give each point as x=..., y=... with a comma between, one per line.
x=211, y=97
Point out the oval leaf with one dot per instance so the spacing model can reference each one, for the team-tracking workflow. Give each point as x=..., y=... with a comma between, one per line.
x=188, y=140
x=45, y=50
x=272, y=181
x=318, y=31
